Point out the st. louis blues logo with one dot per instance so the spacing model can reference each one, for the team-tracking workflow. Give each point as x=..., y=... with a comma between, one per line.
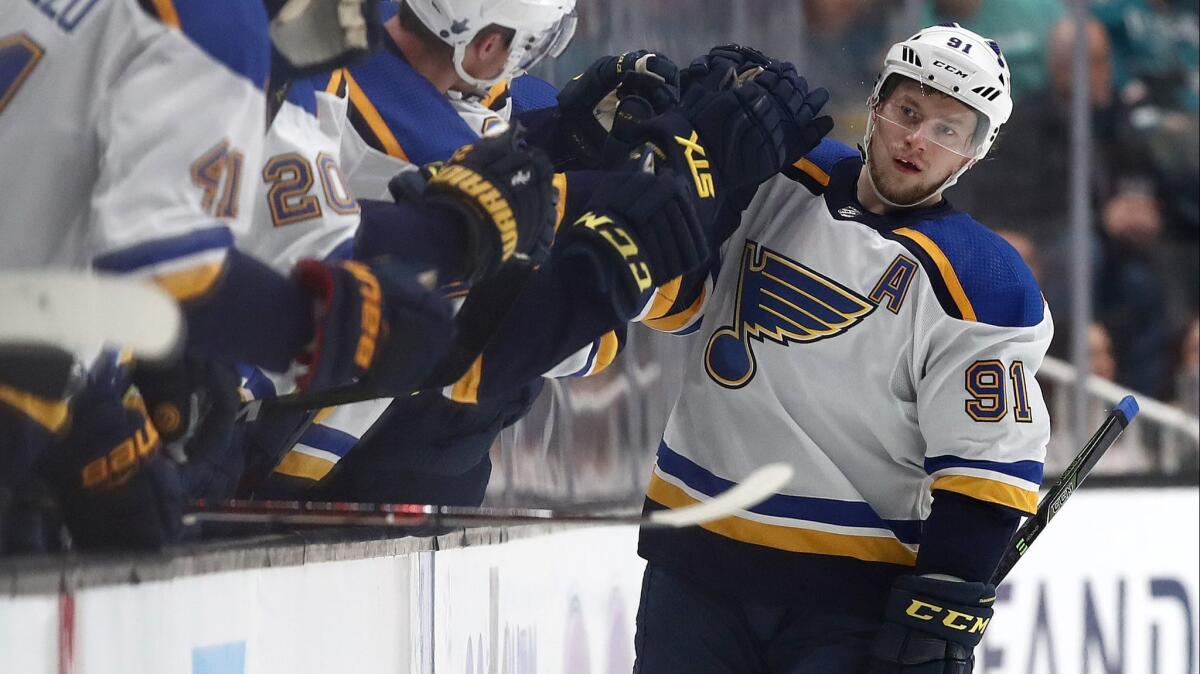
x=783, y=301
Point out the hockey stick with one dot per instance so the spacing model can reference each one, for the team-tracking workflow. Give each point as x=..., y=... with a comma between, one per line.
x=1110, y=429
x=757, y=487
x=81, y=312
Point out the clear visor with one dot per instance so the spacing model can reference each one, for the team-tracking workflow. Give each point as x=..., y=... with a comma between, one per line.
x=551, y=42
x=958, y=134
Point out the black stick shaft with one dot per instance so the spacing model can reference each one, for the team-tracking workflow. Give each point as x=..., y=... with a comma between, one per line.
x=1110, y=429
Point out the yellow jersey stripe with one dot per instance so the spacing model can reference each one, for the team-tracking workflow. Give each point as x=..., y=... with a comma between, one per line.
x=166, y=13
x=324, y=414
x=676, y=321
x=815, y=172
x=48, y=413
x=374, y=120
x=192, y=282
x=991, y=491
x=945, y=268
x=335, y=81
x=606, y=352
x=466, y=389
x=299, y=464
x=791, y=539
x=664, y=299
x=495, y=92
x=560, y=207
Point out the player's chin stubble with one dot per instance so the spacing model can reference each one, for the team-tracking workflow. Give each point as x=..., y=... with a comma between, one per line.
x=886, y=183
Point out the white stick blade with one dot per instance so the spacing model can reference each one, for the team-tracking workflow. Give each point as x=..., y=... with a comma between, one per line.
x=756, y=488
x=82, y=312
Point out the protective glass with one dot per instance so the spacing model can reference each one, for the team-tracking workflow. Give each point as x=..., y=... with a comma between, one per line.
x=551, y=42
x=952, y=135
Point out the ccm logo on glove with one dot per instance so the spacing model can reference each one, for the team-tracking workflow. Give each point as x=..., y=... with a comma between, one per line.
x=116, y=467
x=693, y=153
x=955, y=620
x=620, y=240
x=372, y=316
x=489, y=198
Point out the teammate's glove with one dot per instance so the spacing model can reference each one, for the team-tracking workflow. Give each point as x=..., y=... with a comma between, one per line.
x=932, y=626
x=115, y=487
x=503, y=190
x=587, y=103
x=799, y=105
x=746, y=61
x=374, y=324
x=193, y=403
x=639, y=230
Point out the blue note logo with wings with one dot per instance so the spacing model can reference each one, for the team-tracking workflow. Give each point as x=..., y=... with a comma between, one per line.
x=783, y=301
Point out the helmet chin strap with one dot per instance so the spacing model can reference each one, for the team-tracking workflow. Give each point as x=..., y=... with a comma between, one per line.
x=953, y=178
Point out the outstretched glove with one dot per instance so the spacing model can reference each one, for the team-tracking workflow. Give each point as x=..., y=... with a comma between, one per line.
x=746, y=61
x=115, y=487
x=723, y=136
x=787, y=88
x=801, y=106
x=375, y=324
x=587, y=103
x=931, y=626
x=502, y=188
x=639, y=230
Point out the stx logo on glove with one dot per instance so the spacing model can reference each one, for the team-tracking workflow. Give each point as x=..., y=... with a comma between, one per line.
x=693, y=153
x=486, y=196
x=955, y=620
x=372, y=315
x=116, y=467
x=620, y=240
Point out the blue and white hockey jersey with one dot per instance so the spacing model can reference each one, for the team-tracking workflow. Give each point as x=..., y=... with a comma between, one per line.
x=128, y=130
x=884, y=357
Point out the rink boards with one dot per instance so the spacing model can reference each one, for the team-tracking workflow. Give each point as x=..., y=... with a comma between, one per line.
x=1112, y=587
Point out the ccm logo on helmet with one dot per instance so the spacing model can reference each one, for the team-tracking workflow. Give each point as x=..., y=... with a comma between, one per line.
x=951, y=69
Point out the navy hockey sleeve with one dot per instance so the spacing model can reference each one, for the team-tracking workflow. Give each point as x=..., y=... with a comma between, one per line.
x=965, y=537
x=423, y=236
x=551, y=319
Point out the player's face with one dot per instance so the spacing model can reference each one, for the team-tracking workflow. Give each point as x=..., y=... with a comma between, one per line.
x=919, y=139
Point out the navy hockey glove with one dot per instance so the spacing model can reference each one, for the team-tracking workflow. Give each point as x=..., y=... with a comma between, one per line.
x=593, y=94
x=799, y=106
x=745, y=60
x=503, y=190
x=375, y=324
x=115, y=487
x=639, y=230
x=932, y=626
x=724, y=135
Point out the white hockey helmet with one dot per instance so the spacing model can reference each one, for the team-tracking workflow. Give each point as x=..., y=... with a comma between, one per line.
x=961, y=64
x=542, y=27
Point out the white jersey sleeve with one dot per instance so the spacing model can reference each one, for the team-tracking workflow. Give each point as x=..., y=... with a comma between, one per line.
x=980, y=409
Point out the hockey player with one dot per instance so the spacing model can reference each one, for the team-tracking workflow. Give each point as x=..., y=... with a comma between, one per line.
x=157, y=191
x=886, y=345
x=434, y=446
